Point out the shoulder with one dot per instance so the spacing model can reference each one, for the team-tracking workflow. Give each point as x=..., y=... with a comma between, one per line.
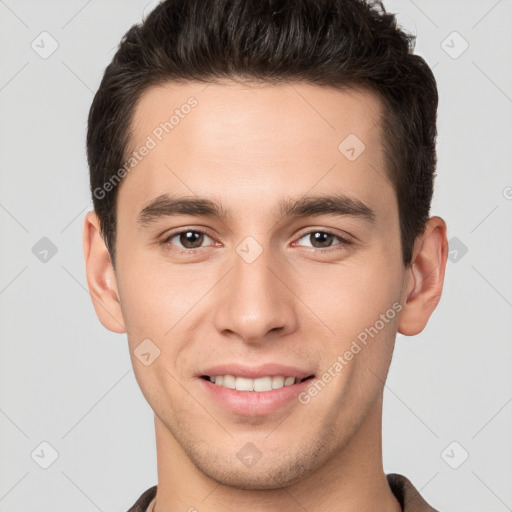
x=144, y=500
x=407, y=495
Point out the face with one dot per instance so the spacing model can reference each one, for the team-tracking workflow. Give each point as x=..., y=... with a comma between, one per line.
x=229, y=264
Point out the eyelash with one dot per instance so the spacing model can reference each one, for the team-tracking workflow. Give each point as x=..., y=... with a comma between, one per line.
x=344, y=242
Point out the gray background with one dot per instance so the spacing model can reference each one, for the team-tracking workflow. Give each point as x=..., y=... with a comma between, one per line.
x=66, y=381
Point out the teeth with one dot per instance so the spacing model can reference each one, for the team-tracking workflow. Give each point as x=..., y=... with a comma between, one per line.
x=277, y=382
x=243, y=384
x=260, y=384
x=228, y=381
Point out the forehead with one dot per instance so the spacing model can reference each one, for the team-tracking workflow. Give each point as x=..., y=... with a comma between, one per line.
x=236, y=141
x=224, y=111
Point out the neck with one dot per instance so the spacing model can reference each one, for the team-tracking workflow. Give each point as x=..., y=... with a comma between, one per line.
x=351, y=479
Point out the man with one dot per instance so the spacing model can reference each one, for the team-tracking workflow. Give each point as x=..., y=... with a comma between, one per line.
x=262, y=173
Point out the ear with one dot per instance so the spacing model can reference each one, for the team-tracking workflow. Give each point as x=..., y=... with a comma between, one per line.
x=424, y=278
x=101, y=278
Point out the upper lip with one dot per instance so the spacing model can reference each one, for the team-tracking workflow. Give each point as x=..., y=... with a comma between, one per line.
x=254, y=372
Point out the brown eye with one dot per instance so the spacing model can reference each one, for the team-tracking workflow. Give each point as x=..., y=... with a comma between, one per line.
x=322, y=240
x=190, y=239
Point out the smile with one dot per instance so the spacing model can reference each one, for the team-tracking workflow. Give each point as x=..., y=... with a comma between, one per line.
x=261, y=384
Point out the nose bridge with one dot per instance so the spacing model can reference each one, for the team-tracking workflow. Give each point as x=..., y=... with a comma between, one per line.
x=254, y=301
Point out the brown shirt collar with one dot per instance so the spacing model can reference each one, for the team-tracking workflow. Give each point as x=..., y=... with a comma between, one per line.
x=407, y=495
x=409, y=498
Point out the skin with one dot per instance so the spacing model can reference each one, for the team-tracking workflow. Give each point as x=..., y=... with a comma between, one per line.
x=299, y=303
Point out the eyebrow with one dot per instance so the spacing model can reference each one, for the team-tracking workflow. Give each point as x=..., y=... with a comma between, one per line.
x=165, y=206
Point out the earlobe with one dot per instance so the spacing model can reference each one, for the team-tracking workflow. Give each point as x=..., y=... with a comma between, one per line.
x=424, y=282
x=101, y=278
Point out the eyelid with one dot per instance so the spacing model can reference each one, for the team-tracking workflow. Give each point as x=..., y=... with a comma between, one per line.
x=345, y=240
x=320, y=229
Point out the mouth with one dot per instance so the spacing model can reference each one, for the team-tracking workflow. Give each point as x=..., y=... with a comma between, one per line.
x=258, y=385
x=260, y=390
x=259, y=397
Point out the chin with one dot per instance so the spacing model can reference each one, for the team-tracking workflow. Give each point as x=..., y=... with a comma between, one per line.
x=250, y=479
x=274, y=473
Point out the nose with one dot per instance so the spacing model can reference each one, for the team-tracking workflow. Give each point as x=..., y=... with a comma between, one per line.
x=254, y=304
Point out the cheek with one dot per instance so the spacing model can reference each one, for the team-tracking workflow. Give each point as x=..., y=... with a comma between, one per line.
x=161, y=301
x=351, y=296
x=360, y=308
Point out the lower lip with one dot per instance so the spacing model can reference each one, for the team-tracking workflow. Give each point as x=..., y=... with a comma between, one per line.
x=254, y=403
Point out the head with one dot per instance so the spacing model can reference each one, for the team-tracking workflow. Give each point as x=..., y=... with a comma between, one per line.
x=205, y=242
